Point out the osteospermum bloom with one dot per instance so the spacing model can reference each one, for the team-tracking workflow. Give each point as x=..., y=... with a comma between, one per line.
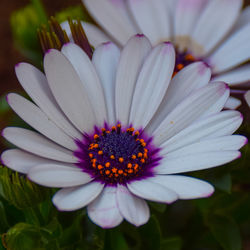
x=117, y=130
x=213, y=31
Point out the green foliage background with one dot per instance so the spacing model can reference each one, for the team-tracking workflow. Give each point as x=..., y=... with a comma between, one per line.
x=28, y=220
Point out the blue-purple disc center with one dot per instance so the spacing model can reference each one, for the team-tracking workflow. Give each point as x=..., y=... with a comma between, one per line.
x=183, y=59
x=116, y=155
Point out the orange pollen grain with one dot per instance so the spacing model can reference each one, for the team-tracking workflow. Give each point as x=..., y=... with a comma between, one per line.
x=107, y=164
x=114, y=170
x=100, y=152
x=129, y=165
x=96, y=136
x=136, y=166
x=107, y=172
x=112, y=157
x=142, y=160
x=133, y=157
x=121, y=159
x=120, y=171
x=180, y=66
x=95, y=145
x=130, y=171
x=189, y=57
x=139, y=154
x=90, y=155
x=100, y=167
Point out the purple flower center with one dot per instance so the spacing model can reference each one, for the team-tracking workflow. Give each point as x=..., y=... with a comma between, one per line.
x=183, y=59
x=117, y=155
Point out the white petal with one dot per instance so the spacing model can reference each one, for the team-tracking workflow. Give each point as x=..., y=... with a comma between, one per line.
x=223, y=143
x=132, y=58
x=68, y=90
x=152, y=191
x=220, y=124
x=89, y=79
x=236, y=76
x=37, y=119
x=215, y=22
x=190, y=109
x=152, y=84
x=232, y=103
x=37, y=144
x=21, y=161
x=190, y=78
x=194, y=162
x=104, y=210
x=186, y=15
x=35, y=84
x=234, y=51
x=185, y=187
x=105, y=60
x=247, y=97
x=153, y=19
x=52, y=175
x=135, y=210
x=95, y=35
x=113, y=17
x=243, y=19
x=70, y=199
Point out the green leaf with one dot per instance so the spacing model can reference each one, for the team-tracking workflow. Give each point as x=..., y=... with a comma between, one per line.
x=173, y=243
x=19, y=191
x=225, y=231
x=114, y=240
x=159, y=207
x=150, y=234
x=23, y=236
x=4, y=225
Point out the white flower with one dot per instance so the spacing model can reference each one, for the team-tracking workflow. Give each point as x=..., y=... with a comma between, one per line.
x=118, y=129
x=214, y=31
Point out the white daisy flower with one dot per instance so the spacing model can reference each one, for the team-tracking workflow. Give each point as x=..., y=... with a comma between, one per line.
x=213, y=31
x=118, y=130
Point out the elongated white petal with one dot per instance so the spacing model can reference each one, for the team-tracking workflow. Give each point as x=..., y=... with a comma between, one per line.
x=135, y=210
x=186, y=15
x=152, y=18
x=219, y=14
x=192, y=108
x=104, y=209
x=247, y=97
x=37, y=119
x=94, y=34
x=70, y=199
x=35, y=84
x=185, y=187
x=113, y=17
x=69, y=91
x=149, y=190
x=234, y=51
x=236, y=76
x=223, y=143
x=37, y=144
x=194, y=162
x=152, y=84
x=232, y=103
x=52, y=175
x=90, y=81
x=192, y=77
x=217, y=125
x=21, y=161
x=105, y=60
x=132, y=58
x=244, y=19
